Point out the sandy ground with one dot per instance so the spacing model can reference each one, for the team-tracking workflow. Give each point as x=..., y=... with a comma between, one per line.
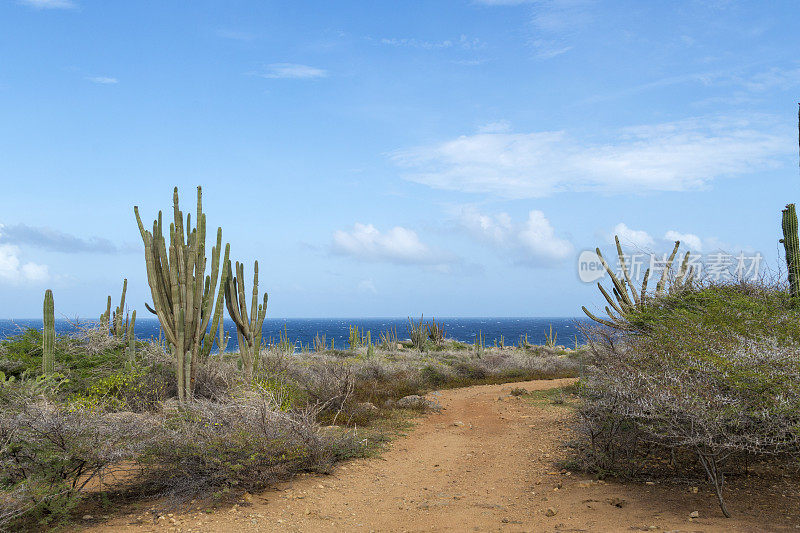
x=487, y=462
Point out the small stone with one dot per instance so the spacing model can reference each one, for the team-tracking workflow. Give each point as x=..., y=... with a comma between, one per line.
x=550, y=512
x=694, y=514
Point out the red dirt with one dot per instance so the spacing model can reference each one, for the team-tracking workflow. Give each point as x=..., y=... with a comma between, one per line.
x=487, y=462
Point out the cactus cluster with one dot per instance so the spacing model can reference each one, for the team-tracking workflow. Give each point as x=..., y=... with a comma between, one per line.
x=355, y=336
x=183, y=294
x=792, y=248
x=118, y=323
x=627, y=297
x=551, y=338
x=48, y=334
x=248, y=325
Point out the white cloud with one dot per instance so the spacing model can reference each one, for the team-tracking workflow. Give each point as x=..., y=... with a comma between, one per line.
x=533, y=241
x=539, y=240
x=493, y=229
x=103, y=80
x=692, y=241
x=463, y=42
x=49, y=4
x=498, y=126
x=398, y=245
x=675, y=156
x=293, y=71
x=631, y=237
x=13, y=270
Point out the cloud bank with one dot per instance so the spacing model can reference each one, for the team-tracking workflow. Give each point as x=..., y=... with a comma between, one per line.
x=533, y=241
x=398, y=245
x=675, y=156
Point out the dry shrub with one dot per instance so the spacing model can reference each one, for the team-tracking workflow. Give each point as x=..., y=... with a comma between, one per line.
x=713, y=372
x=49, y=454
x=245, y=445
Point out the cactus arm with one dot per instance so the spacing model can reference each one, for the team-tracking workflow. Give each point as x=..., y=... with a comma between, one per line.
x=609, y=299
x=597, y=319
x=625, y=271
x=644, y=285
x=665, y=272
x=679, y=279
x=625, y=300
x=220, y=303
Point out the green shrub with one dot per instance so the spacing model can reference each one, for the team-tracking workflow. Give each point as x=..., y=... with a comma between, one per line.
x=713, y=371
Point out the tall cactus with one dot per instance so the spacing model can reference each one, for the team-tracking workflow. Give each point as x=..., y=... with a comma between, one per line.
x=248, y=327
x=48, y=334
x=130, y=349
x=792, y=248
x=183, y=295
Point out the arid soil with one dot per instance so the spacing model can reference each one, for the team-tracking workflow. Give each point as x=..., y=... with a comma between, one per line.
x=487, y=462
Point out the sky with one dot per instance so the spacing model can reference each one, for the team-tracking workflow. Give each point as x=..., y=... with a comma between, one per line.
x=451, y=158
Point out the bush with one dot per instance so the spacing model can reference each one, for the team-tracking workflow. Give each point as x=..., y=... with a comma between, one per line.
x=50, y=454
x=713, y=371
x=245, y=445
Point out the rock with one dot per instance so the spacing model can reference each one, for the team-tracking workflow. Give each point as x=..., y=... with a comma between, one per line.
x=366, y=406
x=550, y=512
x=418, y=402
x=617, y=502
x=694, y=514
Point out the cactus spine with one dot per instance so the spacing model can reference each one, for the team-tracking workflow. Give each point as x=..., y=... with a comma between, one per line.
x=183, y=295
x=792, y=247
x=48, y=334
x=248, y=327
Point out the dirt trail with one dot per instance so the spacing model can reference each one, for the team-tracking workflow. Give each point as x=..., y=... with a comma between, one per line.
x=485, y=463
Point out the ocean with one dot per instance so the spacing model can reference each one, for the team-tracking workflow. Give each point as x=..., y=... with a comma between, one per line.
x=303, y=330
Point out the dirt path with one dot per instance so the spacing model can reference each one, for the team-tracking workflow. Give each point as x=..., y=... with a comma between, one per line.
x=485, y=463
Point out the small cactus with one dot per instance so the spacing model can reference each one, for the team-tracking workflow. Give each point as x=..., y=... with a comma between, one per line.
x=248, y=326
x=48, y=334
x=370, y=347
x=355, y=337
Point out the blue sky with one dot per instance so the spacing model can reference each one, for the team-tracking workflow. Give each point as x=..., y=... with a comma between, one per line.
x=391, y=158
